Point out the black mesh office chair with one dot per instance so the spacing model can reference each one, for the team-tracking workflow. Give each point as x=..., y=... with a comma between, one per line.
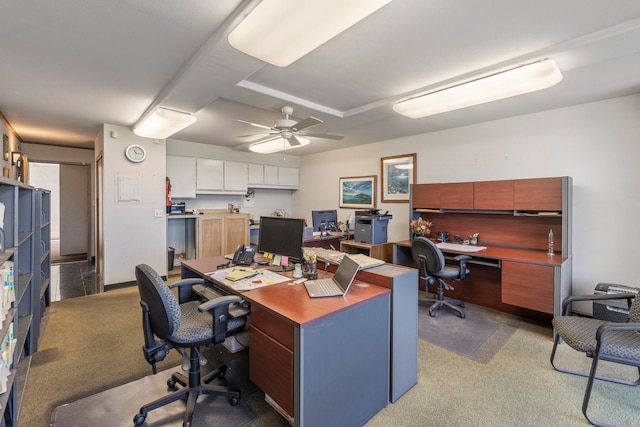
x=189, y=324
x=432, y=267
x=600, y=340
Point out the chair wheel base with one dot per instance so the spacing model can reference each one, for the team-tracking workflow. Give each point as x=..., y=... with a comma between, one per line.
x=138, y=420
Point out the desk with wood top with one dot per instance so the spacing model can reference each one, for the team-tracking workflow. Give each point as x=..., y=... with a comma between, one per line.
x=322, y=361
x=518, y=281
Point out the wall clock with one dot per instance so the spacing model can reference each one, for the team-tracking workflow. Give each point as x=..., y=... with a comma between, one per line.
x=135, y=153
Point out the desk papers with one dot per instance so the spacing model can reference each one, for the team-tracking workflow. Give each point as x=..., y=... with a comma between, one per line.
x=460, y=248
x=262, y=277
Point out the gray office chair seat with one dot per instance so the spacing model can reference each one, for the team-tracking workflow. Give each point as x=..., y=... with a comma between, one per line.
x=433, y=269
x=599, y=340
x=183, y=324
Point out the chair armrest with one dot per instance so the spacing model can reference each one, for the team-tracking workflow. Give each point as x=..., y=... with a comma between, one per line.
x=462, y=259
x=610, y=327
x=566, y=303
x=185, y=292
x=219, y=302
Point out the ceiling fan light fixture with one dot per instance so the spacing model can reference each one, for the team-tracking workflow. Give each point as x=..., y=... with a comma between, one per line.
x=265, y=35
x=276, y=145
x=162, y=123
x=517, y=81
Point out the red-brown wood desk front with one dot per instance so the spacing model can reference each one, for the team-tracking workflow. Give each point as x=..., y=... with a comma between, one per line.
x=322, y=361
x=518, y=281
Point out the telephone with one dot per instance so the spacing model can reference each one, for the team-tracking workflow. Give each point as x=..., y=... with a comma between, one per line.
x=243, y=255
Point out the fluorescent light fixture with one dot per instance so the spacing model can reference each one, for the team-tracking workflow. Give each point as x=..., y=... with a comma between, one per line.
x=282, y=31
x=275, y=145
x=527, y=78
x=163, y=123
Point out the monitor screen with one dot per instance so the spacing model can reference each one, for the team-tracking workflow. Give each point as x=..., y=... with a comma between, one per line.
x=281, y=236
x=325, y=220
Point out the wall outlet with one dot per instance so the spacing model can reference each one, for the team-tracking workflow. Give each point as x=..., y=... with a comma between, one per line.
x=158, y=213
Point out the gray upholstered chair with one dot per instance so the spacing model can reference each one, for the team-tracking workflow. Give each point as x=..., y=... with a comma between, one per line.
x=187, y=324
x=432, y=268
x=599, y=340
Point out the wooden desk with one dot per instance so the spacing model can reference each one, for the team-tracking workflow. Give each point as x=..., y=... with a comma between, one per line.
x=518, y=281
x=320, y=361
x=382, y=251
x=328, y=240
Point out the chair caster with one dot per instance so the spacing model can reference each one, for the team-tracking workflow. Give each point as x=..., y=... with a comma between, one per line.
x=171, y=383
x=462, y=315
x=233, y=401
x=461, y=304
x=432, y=313
x=139, y=419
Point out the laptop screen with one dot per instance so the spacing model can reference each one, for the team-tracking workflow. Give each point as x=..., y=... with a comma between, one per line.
x=346, y=272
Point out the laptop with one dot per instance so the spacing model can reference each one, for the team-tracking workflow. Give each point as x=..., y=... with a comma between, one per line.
x=337, y=285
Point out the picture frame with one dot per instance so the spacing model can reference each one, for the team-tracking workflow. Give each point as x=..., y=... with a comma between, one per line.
x=397, y=174
x=358, y=192
x=5, y=146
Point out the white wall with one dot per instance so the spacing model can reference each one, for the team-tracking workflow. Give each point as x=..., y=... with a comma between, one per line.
x=596, y=144
x=47, y=175
x=132, y=234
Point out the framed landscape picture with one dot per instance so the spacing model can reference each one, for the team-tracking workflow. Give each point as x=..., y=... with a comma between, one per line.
x=398, y=173
x=358, y=192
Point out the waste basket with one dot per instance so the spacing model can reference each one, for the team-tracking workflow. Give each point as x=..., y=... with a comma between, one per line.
x=171, y=254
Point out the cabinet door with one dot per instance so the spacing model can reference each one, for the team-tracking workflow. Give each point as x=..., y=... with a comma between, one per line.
x=528, y=285
x=288, y=176
x=493, y=195
x=256, y=174
x=456, y=195
x=236, y=231
x=425, y=196
x=270, y=175
x=182, y=174
x=210, y=236
x=236, y=176
x=210, y=174
x=538, y=194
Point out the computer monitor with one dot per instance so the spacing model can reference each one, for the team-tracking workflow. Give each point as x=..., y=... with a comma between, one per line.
x=282, y=236
x=325, y=220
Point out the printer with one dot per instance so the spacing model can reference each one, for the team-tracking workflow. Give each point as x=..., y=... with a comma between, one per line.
x=371, y=226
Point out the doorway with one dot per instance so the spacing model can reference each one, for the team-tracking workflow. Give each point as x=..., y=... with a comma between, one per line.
x=70, y=208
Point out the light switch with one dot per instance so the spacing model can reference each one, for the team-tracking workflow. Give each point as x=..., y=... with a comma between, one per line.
x=158, y=213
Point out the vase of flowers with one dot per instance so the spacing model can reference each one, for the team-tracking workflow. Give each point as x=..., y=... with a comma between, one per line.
x=420, y=227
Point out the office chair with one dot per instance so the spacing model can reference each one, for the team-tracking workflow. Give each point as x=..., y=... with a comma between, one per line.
x=432, y=268
x=599, y=340
x=189, y=324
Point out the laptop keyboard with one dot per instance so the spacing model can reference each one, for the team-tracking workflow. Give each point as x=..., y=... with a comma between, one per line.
x=326, y=285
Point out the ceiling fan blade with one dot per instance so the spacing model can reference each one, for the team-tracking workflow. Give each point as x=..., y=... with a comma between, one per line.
x=256, y=134
x=293, y=141
x=254, y=124
x=322, y=135
x=264, y=139
x=308, y=122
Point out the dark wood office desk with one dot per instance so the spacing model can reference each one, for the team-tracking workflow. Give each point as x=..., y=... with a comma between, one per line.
x=322, y=361
x=525, y=282
x=328, y=241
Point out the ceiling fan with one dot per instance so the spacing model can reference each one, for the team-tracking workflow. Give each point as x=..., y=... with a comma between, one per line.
x=288, y=129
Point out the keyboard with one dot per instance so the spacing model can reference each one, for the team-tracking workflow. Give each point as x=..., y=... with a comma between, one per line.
x=325, y=285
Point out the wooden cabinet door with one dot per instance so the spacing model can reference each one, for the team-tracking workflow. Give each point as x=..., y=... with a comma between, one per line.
x=210, y=236
x=493, y=195
x=236, y=176
x=270, y=175
x=236, y=232
x=425, y=196
x=456, y=195
x=528, y=285
x=288, y=176
x=256, y=174
x=538, y=194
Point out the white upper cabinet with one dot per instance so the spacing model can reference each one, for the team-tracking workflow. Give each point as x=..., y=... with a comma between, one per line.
x=210, y=175
x=181, y=171
x=236, y=176
x=270, y=176
x=219, y=176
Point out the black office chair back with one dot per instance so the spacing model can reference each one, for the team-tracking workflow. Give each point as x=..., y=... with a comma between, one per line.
x=164, y=309
x=432, y=255
x=634, y=311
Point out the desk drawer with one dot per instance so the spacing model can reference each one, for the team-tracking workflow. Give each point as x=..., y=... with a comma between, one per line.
x=528, y=285
x=271, y=368
x=273, y=326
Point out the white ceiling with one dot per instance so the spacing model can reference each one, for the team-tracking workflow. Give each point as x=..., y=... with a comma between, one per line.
x=67, y=66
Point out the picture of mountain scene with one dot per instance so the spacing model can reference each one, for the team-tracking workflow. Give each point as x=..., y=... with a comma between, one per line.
x=357, y=192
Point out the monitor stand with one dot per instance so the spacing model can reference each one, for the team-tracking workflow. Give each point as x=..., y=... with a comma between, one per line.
x=280, y=268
